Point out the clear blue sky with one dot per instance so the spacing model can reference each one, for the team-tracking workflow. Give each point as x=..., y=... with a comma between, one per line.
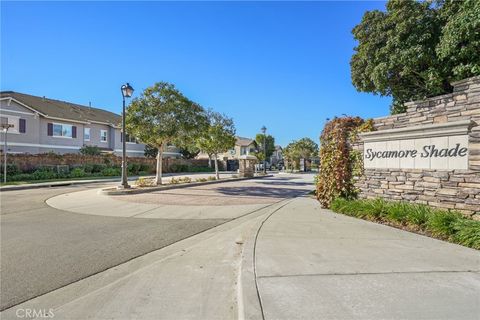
x=284, y=65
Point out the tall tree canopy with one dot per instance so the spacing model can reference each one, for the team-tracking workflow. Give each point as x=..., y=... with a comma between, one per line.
x=162, y=115
x=416, y=49
x=270, y=144
x=218, y=137
x=304, y=148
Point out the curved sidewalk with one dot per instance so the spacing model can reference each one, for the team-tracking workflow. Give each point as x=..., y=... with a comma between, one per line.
x=314, y=264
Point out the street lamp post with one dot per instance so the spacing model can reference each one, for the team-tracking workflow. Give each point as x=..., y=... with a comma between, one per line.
x=5, y=127
x=127, y=92
x=264, y=130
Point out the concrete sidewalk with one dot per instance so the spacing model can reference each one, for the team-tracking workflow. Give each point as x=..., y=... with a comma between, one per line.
x=314, y=264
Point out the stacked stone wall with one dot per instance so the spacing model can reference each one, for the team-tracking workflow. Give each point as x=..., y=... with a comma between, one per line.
x=448, y=189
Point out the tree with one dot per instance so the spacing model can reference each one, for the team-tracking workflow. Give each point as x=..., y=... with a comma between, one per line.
x=161, y=116
x=189, y=151
x=416, y=49
x=304, y=148
x=150, y=152
x=290, y=153
x=459, y=45
x=269, y=142
x=218, y=137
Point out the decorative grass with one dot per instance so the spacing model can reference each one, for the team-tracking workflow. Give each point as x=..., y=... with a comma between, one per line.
x=442, y=224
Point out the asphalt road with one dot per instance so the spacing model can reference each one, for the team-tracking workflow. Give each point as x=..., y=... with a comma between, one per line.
x=43, y=249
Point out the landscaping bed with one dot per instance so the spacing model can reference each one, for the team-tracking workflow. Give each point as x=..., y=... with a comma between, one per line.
x=441, y=224
x=144, y=185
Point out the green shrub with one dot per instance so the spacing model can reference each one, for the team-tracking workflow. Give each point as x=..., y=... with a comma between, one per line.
x=12, y=169
x=97, y=168
x=201, y=179
x=20, y=177
x=467, y=233
x=174, y=181
x=110, y=172
x=398, y=211
x=200, y=169
x=211, y=178
x=145, y=167
x=178, y=168
x=78, y=173
x=441, y=223
x=418, y=214
x=43, y=175
x=447, y=225
x=375, y=209
x=133, y=168
x=90, y=150
x=185, y=179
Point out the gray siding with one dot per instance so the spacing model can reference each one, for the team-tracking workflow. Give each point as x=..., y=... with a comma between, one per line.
x=37, y=140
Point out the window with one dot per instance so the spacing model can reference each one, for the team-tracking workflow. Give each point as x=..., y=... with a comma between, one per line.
x=86, y=134
x=12, y=121
x=130, y=139
x=243, y=151
x=103, y=135
x=62, y=130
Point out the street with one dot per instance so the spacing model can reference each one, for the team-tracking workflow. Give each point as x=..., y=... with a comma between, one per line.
x=251, y=249
x=44, y=248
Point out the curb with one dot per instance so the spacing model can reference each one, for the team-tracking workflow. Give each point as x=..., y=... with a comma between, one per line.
x=117, y=192
x=54, y=184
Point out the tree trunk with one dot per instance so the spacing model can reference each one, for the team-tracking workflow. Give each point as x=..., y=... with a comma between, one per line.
x=216, y=167
x=158, y=179
x=209, y=161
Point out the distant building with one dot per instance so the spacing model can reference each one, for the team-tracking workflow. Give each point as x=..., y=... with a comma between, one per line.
x=243, y=146
x=229, y=159
x=277, y=156
x=43, y=125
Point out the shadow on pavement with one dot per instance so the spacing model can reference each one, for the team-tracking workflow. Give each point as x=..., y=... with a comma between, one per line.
x=261, y=192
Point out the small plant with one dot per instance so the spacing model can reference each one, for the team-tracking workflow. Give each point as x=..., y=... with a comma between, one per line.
x=467, y=233
x=398, y=211
x=90, y=150
x=442, y=224
x=201, y=179
x=145, y=182
x=185, y=179
x=174, y=181
x=110, y=172
x=212, y=178
x=77, y=173
x=418, y=215
x=43, y=175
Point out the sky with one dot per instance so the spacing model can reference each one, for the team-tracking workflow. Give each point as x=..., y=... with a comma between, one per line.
x=284, y=65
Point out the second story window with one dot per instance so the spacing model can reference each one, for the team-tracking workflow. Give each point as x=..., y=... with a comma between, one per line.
x=86, y=134
x=18, y=125
x=62, y=130
x=103, y=135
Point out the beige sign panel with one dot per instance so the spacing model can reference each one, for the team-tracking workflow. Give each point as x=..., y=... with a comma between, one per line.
x=439, y=147
x=447, y=153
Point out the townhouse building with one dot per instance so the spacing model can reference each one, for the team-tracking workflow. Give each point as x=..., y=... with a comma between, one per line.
x=41, y=125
